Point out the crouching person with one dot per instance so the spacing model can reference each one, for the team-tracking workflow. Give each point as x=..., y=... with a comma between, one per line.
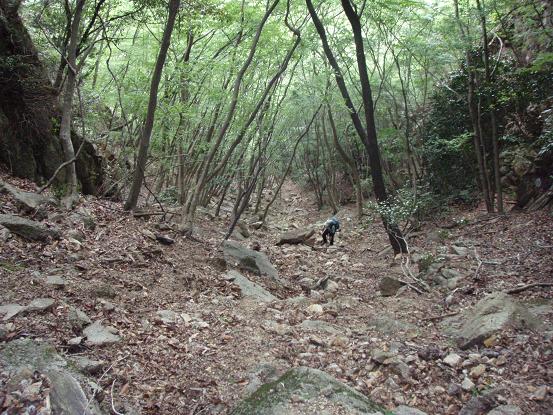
x=331, y=226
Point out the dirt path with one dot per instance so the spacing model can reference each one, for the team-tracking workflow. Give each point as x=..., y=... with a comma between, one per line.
x=222, y=346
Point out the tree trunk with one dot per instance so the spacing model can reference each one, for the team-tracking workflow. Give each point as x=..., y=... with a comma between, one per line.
x=368, y=138
x=152, y=104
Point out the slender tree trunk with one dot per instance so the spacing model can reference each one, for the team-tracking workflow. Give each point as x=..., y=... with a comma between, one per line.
x=67, y=107
x=152, y=104
x=369, y=137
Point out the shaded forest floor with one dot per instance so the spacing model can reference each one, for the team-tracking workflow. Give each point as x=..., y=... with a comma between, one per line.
x=223, y=346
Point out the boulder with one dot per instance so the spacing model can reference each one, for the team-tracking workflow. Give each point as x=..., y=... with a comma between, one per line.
x=88, y=366
x=295, y=237
x=407, y=410
x=66, y=395
x=11, y=310
x=250, y=289
x=299, y=390
x=40, y=305
x=28, y=229
x=56, y=281
x=168, y=316
x=389, y=286
x=98, y=335
x=78, y=318
x=83, y=216
x=248, y=259
x=494, y=313
x=26, y=201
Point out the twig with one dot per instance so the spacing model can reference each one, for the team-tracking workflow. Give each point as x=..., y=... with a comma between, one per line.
x=112, y=403
x=527, y=287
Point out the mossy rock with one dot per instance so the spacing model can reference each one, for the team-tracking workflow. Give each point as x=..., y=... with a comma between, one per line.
x=301, y=387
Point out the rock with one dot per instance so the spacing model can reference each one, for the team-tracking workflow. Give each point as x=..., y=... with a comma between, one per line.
x=481, y=404
x=380, y=356
x=492, y=314
x=249, y=259
x=104, y=291
x=295, y=392
x=27, y=201
x=276, y=328
x=5, y=234
x=467, y=385
x=250, y=289
x=295, y=237
x=452, y=359
x=319, y=325
x=407, y=410
x=56, y=281
x=315, y=309
x=243, y=230
x=540, y=394
x=387, y=324
x=75, y=341
x=40, y=305
x=78, y=318
x=83, y=216
x=389, y=286
x=263, y=373
x=88, y=366
x=449, y=273
x=66, y=395
x=477, y=371
x=454, y=389
x=28, y=229
x=76, y=234
x=11, y=310
x=506, y=410
x=98, y=335
x=164, y=239
x=168, y=316
x=460, y=250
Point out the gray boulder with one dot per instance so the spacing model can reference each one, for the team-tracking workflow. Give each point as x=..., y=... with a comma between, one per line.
x=296, y=236
x=506, y=410
x=407, y=410
x=66, y=395
x=77, y=318
x=250, y=289
x=495, y=312
x=98, y=335
x=302, y=388
x=28, y=229
x=389, y=286
x=248, y=259
x=5, y=233
x=11, y=310
x=40, y=305
x=27, y=201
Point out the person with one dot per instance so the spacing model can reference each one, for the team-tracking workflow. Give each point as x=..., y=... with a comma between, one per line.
x=331, y=226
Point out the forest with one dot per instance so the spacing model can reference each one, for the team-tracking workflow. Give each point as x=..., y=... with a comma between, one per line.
x=170, y=171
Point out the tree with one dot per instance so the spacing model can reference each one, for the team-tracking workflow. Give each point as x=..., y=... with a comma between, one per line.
x=368, y=136
x=144, y=144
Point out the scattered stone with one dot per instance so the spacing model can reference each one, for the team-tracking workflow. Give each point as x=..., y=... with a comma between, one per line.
x=5, y=234
x=88, y=366
x=477, y=371
x=98, y=335
x=276, y=328
x=75, y=341
x=381, y=356
x=76, y=234
x=481, y=404
x=389, y=286
x=467, y=385
x=539, y=394
x=56, y=281
x=164, y=239
x=78, y=318
x=319, y=325
x=243, y=230
x=167, y=317
x=454, y=389
x=250, y=289
x=11, y=310
x=407, y=410
x=506, y=410
x=492, y=314
x=295, y=237
x=460, y=250
x=40, y=305
x=249, y=259
x=83, y=216
x=388, y=324
x=315, y=309
x=28, y=229
x=297, y=388
x=452, y=359
x=104, y=291
x=148, y=234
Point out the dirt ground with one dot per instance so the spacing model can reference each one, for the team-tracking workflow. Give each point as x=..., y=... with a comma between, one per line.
x=207, y=362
